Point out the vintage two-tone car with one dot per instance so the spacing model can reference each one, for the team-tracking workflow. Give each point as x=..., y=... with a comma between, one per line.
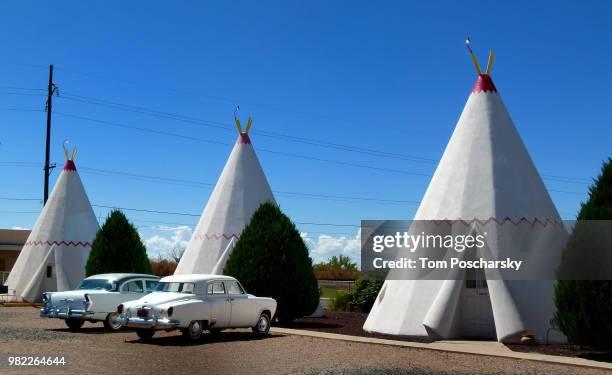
x=195, y=303
x=96, y=299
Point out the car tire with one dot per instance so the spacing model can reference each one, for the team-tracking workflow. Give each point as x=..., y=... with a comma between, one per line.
x=74, y=324
x=111, y=323
x=194, y=331
x=262, y=327
x=145, y=334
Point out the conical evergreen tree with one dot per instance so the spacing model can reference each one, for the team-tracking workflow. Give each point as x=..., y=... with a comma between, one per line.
x=271, y=259
x=584, y=307
x=117, y=248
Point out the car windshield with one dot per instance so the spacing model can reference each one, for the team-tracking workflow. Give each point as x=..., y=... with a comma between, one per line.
x=175, y=287
x=96, y=284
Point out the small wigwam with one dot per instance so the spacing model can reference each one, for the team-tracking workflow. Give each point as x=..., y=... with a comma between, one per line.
x=486, y=178
x=54, y=255
x=240, y=190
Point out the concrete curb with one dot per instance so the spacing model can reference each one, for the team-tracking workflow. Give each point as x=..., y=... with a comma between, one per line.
x=20, y=304
x=490, y=348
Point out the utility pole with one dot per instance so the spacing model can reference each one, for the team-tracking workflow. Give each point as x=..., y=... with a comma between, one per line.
x=50, y=92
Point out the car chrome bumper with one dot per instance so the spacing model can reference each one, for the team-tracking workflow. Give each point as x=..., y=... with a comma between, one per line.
x=153, y=323
x=64, y=313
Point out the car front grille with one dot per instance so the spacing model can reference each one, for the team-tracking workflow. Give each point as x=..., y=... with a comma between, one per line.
x=142, y=313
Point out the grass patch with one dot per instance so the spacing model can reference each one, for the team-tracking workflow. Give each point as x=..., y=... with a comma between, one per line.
x=332, y=293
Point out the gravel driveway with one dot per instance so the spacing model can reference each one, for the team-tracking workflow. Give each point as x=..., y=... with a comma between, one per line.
x=93, y=351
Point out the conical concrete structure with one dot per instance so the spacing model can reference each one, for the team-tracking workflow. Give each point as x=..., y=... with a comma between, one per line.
x=240, y=190
x=54, y=256
x=485, y=176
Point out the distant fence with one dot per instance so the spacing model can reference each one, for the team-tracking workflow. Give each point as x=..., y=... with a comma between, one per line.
x=337, y=284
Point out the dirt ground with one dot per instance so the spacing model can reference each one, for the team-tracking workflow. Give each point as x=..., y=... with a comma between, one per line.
x=351, y=323
x=93, y=351
x=345, y=323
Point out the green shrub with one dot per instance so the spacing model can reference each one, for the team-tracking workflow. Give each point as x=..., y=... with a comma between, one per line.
x=271, y=259
x=117, y=248
x=360, y=299
x=364, y=294
x=584, y=307
x=341, y=302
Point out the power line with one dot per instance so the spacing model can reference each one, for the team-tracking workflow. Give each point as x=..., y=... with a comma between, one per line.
x=231, y=100
x=140, y=177
x=229, y=127
x=22, y=88
x=330, y=161
x=270, y=134
x=169, y=224
x=20, y=109
x=184, y=214
x=192, y=215
x=198, y=215
x=107, y=172
x=192, y=183
x=19, y=199
x=565, y=191
x=184, y=92
x=567, y=179
x=20, y=164
x=21, y=93
x=564, y=179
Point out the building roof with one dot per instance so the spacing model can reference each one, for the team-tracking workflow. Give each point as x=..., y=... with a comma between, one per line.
x=13, y=239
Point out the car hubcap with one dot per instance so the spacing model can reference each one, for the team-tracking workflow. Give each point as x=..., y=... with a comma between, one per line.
x=196, y=330
x=263, y=324
x=112, y=320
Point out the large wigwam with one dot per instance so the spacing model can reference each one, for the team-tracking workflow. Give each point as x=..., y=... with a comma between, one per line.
x=54, y=256
x=485, y=177
x=240, y=190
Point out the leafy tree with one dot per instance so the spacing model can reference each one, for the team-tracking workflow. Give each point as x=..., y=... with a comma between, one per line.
x=271, y=259
x=341, y=262
x=117, y=248
x=584, y=307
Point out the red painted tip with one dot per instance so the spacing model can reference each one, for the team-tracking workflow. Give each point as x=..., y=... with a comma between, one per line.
x=69, y=166
x=484, y=83
x=244, y=138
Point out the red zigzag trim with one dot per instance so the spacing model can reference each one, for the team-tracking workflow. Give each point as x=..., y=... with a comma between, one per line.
x=216, y=236
x=544, y=223
x=58, y=243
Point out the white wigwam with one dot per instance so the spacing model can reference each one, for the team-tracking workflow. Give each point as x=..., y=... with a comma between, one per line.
x=485, y=176
x=54, y=256
x=239, y=192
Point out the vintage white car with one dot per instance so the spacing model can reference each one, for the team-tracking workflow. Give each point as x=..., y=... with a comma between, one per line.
x=96, y=299
x=194, y=303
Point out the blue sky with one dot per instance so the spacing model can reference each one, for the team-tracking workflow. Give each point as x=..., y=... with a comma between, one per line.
x=386, y=76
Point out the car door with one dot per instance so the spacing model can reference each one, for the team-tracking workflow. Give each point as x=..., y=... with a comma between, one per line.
x=243, y=314
x=220, y=307
x=131, y=290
